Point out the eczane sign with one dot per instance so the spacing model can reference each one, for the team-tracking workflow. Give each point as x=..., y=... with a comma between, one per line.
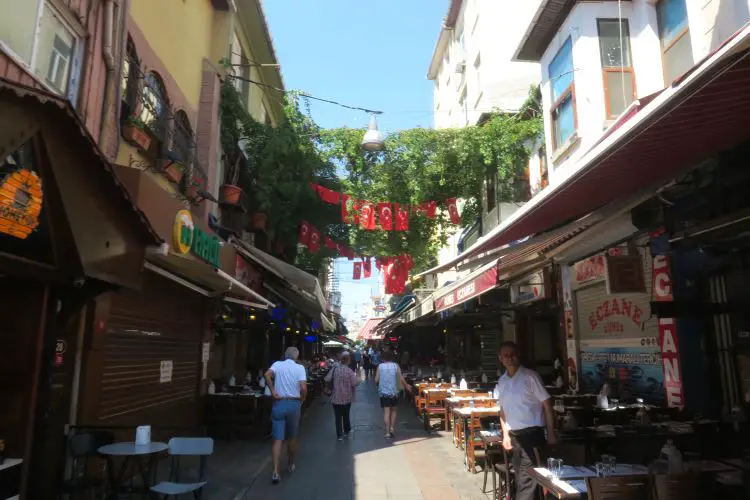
x=668, y=339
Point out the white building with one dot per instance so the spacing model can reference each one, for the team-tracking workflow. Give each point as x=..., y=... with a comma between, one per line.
x=600, y=58
x=472, y=65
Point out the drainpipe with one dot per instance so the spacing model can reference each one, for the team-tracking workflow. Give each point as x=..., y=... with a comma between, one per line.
x=109, y=63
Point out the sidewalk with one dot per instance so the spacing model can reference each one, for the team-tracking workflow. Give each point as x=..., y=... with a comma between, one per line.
x=414, y=466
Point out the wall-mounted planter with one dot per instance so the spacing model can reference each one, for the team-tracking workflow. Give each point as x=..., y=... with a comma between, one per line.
x=173, y=171
x=137, y=137
x=230, y=194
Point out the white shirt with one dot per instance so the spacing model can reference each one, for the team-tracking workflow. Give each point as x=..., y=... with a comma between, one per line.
x=287, y=375
x=521, y=397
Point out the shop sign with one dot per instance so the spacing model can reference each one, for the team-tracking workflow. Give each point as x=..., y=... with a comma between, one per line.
x=20, y=203
x=188, y=238
x=590, y=269
x=477, y=286
x=532, y=288
x=668, y=339
x=165, y=371
x=616, y=316
x=637, y=369
x=60, y=348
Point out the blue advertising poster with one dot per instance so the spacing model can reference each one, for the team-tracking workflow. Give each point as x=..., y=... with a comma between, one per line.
x=633, y=372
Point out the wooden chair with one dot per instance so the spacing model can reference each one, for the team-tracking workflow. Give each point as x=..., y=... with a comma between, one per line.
x=618, y=488
x=677, y=487
x=474, y=447
x=484, y=403
x=458, y=428
x=435, y=407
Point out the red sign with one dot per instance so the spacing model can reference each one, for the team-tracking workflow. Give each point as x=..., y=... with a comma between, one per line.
x=612, y=311
x=246, y=274
x=465, y=291
x=668, y=339
x=590, y=269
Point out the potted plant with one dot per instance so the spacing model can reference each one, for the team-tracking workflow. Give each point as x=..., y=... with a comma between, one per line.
x=134, y=131
x=172, y=170
x=230, y=192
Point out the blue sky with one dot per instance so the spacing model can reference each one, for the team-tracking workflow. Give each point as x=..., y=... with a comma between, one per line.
x=361, y=53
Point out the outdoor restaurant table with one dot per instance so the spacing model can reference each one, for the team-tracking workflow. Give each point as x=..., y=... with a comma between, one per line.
x=464, y=414
x=572, y=483
x=132, y=454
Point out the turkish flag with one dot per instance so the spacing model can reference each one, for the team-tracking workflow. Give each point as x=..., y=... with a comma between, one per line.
x=402, y=217
x=428, y=208
x=329, y=243
x=328, y=196
x=357, y=270
x=345, y=200
x=367, y=266
x=450, y=204
x=367, y=216
x=304, y=234
x=385, y=216
x=314, y=245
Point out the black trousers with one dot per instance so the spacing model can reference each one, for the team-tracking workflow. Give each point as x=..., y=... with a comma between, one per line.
x=341, y=414
x=524, y=442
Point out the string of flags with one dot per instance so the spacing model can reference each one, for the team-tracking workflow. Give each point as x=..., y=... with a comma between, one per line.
x=391, y=216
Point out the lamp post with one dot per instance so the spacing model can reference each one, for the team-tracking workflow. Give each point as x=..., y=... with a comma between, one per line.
x=373, y=139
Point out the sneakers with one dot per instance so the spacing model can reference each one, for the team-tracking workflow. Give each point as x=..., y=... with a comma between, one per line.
x=275, y=478
x=340, y=438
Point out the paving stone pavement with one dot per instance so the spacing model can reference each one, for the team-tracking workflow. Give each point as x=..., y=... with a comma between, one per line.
x=414, y=466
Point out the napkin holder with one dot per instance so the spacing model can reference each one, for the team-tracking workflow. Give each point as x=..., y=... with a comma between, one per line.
x=143, y=435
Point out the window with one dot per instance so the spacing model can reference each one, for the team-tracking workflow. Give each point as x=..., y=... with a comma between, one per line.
x=154, y=102
x=563, y=95
x=240, y=68
x=130, y=74
x=183, y=135
x=677, y=51
x=617, y=66
x=42, y=39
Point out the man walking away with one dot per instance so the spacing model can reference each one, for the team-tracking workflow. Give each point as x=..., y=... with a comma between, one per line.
x=524, y=406
x=357, y=360
x=344, y=381
x=287, y=382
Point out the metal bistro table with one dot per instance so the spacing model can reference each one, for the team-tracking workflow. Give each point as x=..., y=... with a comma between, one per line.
x=133, y=455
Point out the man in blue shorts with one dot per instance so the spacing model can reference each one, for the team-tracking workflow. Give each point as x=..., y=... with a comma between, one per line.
x=287, y=381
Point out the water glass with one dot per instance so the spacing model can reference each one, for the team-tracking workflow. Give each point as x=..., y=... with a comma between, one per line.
x=554, y=465
x=601, y=469
x=609, y=462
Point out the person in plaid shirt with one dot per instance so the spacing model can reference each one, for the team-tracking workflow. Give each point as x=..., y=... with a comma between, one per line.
x=342, y=394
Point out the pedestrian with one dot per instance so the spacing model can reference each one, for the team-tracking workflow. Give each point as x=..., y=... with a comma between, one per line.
x=344, y=380
x=287, y=381
x=357, y=360
x=524, y=407
x=374, y=362
x=388, y=377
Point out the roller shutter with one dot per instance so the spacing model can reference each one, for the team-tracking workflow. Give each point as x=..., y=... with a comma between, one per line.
x=162, y=322
x=618, y=340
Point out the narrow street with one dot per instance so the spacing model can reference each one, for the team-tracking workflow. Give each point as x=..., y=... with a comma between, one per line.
x=414, y=466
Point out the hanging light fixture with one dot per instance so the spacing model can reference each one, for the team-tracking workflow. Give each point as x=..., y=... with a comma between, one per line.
x=373, y=139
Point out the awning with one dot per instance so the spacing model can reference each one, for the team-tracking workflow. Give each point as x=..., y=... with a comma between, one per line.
x=297, y=279
x=303, y=303
x=704, y=112
x=468, y=287
x=367, y=329
x=204, y=278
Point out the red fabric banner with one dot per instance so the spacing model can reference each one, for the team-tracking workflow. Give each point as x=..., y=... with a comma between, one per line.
x=304, y=233
x=427, y=208
x=345, y=200
x=328, y=196
x=329, y=243
x=367, y=216
x=402, y=217
x=450, y=204
x=367, y=266
x=385, y=216
x=314, y=245
x=357, y=270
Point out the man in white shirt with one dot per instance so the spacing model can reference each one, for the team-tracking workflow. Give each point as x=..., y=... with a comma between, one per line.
x=525, y=408
x=287, y=381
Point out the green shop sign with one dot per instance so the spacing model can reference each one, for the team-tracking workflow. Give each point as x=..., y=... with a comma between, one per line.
x=188, y=238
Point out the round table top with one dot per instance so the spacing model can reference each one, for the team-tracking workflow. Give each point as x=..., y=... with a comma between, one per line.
x=130, y=449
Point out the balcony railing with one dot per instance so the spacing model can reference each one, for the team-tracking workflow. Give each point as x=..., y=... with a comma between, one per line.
x=163, y=136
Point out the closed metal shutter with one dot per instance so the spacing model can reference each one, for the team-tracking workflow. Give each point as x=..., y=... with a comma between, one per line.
x=490, y=340
x=618, y=340
x=161, y=322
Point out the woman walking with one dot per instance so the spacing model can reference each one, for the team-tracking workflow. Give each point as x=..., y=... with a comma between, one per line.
x=388, y=377
x=342, y=394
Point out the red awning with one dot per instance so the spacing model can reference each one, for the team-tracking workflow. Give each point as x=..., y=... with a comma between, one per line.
x=366, y=331
x=703, y=113
x=468, y=287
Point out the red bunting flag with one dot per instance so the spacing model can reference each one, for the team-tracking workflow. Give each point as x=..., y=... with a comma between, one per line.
x=367, y=216
x=314, y=245
x=366, y=266
x=304, y=233
x=328, y=196
x=427, y=208
x=357, y=270
x=329, y=243
x=402, y=217
x=355, y=211
x=385, y=216
x=450, y=204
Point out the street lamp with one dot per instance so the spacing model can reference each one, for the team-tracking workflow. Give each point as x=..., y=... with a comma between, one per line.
x=373, y=139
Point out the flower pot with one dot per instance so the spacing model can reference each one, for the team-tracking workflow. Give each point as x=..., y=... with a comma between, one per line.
x=259, y=221
x=230, y=194
x=136, y=136
x=172, y=171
